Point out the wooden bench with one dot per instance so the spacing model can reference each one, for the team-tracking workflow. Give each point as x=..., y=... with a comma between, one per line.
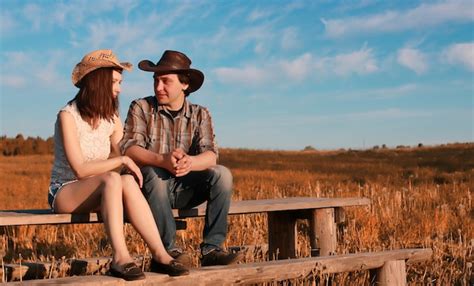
x=322, y=213
x=389, y=268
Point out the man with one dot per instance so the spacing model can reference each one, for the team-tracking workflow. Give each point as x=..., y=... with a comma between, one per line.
x=173, y=141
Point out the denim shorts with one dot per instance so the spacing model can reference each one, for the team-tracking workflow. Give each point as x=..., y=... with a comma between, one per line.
x=54, y=188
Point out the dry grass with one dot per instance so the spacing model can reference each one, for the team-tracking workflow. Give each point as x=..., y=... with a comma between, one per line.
x=420, y=198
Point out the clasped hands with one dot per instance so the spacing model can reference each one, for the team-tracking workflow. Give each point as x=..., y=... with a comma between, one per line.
x=180, y=163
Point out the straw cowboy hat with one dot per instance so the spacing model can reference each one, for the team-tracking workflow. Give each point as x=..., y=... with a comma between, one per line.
x=175, y=62
x=95, y=60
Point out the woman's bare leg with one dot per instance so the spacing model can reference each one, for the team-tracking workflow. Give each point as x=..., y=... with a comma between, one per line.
x=140, y=216
x=104, y=191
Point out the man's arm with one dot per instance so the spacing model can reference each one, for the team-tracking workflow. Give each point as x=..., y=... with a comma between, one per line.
x=135, y=136
x=205, y=154
x=144, y=157
x=204, y=161
x=186, y=163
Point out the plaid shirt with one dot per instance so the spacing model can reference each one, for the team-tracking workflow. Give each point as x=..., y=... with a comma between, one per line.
x=152, y=127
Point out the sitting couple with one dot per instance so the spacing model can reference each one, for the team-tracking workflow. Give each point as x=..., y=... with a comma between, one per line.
x=171, y=140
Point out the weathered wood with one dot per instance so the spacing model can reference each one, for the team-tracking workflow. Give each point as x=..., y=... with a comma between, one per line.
x=323, y=236
x=42, y=217
x=15, y=272
x=392, y=273
x=251, y=273
x=36, y=216
x=339, y=215
x=90, y=266
x=36, y=270
x=282, y=235
x=251, y=252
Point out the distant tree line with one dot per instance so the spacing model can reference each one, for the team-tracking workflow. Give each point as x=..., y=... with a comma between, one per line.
x=21, y=146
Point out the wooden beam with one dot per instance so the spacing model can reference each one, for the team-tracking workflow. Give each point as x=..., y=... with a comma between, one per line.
x=36, y=270
x=323, y=234
x=280, y=204
x=258, y=272
x=392, y=273
x=43, y=216
x=15, y=272
x=282, y=235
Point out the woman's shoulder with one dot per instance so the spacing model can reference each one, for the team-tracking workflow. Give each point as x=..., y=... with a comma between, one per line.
x=70, y=107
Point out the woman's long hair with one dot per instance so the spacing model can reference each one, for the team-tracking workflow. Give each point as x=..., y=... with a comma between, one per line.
x=94, y=99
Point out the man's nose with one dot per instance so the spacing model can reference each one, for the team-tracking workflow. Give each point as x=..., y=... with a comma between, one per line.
x=159, y=85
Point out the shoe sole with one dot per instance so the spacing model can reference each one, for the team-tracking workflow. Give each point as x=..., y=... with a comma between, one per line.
x=236, y=259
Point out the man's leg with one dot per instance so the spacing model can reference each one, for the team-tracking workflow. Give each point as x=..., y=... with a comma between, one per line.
x=215, y=186
x=220, y=195
x=157, y=184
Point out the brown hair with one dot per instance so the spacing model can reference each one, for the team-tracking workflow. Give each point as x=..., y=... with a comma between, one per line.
x=184, y=79
x=94, y=99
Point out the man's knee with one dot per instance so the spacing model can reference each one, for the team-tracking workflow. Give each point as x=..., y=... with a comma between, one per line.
x=155, y=182
x=222, y=178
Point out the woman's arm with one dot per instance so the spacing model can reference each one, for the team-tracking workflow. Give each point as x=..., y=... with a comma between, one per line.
x=116, y=137
x=74, y=155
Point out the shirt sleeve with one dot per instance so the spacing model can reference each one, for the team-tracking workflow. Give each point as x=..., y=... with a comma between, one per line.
x=206, y=139
x=135, y=128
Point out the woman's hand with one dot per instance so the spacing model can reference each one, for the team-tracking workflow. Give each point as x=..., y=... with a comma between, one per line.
x=133, y=168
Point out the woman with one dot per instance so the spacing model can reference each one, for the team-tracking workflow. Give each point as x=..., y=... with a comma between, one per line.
x=84, y=177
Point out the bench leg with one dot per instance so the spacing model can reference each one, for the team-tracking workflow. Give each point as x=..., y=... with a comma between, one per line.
x=281, y=235
x=392, y=273
x=323, y=237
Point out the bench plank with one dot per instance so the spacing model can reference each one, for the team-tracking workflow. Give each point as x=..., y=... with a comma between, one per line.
x=258, y=272
x=41, y=216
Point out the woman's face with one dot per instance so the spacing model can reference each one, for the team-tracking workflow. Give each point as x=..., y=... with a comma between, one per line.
x=116, y=82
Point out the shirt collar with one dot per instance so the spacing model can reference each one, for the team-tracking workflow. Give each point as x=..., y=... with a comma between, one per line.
x=186, y=107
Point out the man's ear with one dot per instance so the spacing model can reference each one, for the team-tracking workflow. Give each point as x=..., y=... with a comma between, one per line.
x=185, y=86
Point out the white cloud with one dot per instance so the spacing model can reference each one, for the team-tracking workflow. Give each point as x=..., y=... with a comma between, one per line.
x=260, y=48
x=122, y=34
x=412, y=59
x=358, y=62
x=300, y=68
x=377, y=93
x=246, y=75
x=462, y=53
x=13, y=81
x=7, y=23
x=289, y=39
x=30, y=70
x=33, y=13
x=423, y=16
x=258, y=14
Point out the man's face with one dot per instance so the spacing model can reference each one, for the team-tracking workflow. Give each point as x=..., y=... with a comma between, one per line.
x=169, y=91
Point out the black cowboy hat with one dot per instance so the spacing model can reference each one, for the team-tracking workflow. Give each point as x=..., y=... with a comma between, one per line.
x=175, y=62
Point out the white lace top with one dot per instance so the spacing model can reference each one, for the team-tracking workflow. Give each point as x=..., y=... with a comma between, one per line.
x=95, y=144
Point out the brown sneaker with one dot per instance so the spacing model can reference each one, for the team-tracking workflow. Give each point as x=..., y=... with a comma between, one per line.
x=181, y=257
x=218, y=256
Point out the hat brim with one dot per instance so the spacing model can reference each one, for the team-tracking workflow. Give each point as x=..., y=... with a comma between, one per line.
x=196, y=77
x=78, y=74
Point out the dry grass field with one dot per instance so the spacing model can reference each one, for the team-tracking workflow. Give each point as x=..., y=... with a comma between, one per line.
x=421, y=197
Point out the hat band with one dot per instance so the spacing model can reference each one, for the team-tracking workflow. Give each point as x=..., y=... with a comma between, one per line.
x=172, y=65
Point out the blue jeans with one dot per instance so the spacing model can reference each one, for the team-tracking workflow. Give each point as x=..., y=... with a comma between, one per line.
x=164, y=192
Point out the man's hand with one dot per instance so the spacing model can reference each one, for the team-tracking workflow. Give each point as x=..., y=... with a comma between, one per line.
x=183, y=162
x=177, y=162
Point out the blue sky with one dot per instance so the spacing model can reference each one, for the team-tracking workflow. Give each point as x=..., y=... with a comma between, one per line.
x=279, y=74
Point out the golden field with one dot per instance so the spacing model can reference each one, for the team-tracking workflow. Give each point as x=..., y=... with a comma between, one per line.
x=421, y=197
